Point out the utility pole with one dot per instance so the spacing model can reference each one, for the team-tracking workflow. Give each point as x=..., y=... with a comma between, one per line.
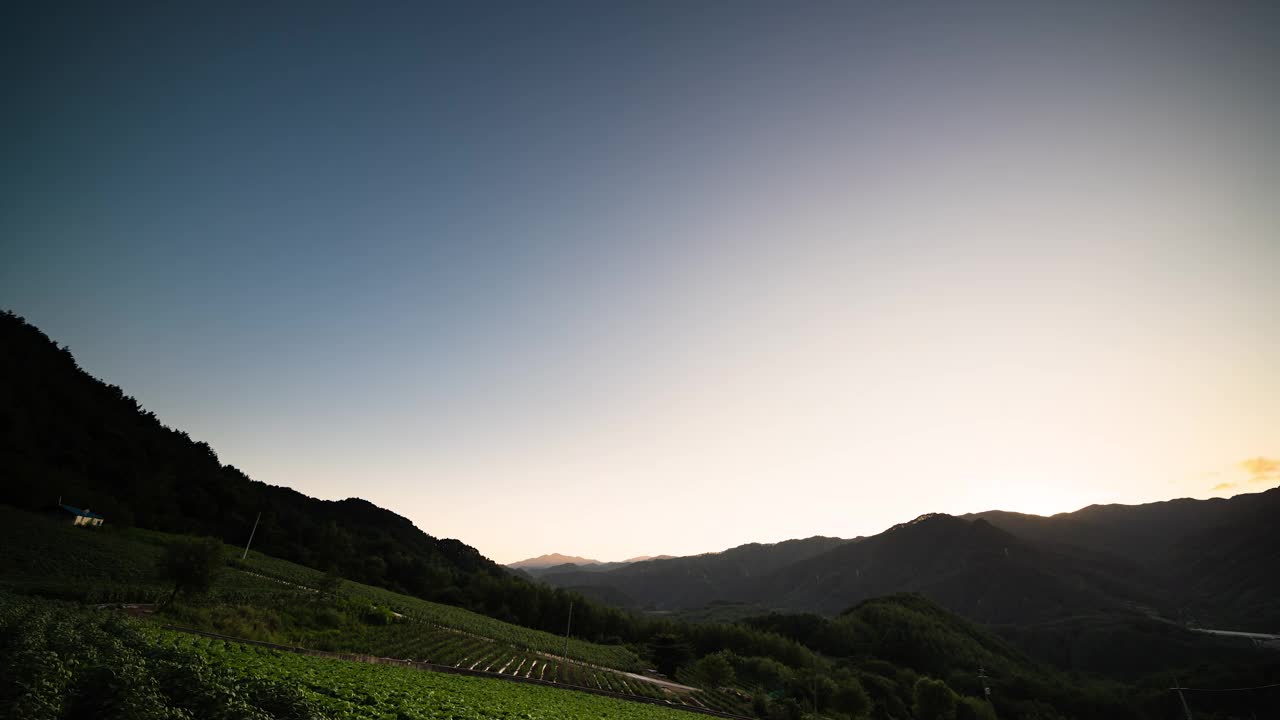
x=245, y=554
x=566, y=630
x=1185, y=707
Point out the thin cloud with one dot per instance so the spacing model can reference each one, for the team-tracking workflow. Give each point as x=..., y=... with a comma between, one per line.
x=1224, y=486
x=1261, y=469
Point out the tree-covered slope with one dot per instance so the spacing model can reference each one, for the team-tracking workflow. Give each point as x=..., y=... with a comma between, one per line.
x=64, y=433
x=1214, y=560
x=894, y=640
x=972, y=568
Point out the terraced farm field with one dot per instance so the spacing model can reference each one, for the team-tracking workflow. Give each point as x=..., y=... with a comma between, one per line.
x=49, y=559
x=448, y=649
x=455, y=618
x=69, y=662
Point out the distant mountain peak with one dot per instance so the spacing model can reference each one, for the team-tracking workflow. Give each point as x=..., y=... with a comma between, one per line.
x=551, y=560
x=932, y=518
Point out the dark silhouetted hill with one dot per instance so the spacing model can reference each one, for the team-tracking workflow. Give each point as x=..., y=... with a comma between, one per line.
x=1216, y=562
x=66, y=434
x=695, y=581
x=973, y=568
x=1208, y=562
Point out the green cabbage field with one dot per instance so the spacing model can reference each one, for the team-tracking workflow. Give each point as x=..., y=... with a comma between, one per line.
x=63, y=661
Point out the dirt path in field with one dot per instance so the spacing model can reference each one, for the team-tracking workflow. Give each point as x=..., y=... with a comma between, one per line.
x=674, y=686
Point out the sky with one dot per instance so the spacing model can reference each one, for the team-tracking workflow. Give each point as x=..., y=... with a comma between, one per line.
x=618, y=279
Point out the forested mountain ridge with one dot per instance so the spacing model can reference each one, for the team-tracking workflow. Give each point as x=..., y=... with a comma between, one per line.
x=973, y=568
x=1215, y=560
x=64, y=433
x=1148, y=533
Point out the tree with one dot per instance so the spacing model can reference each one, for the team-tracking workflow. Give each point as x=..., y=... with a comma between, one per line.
x=715, y=669
x=766, y=672
x=669, y=652
x=851, y=698
x=933, y=700
x=191, y=565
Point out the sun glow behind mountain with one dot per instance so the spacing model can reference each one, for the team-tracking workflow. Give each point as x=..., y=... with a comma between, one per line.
x=1043, y=500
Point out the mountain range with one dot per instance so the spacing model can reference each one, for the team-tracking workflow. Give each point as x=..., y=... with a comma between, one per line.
x=1211, y=562
x=1039, y=579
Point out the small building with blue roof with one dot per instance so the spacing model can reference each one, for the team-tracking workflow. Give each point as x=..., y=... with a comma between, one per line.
x=82, y=517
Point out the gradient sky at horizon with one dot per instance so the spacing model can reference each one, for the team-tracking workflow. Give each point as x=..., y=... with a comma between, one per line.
x=613, y=279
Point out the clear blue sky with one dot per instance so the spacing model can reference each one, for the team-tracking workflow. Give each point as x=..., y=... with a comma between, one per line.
x=614, y=279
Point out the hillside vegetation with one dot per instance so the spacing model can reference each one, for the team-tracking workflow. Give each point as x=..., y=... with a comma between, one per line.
x=121, y=565
x=276, y=601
